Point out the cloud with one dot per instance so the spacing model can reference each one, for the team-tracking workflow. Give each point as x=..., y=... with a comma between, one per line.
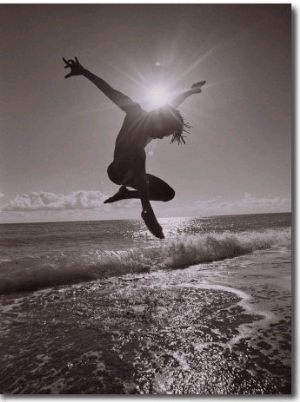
x=88, y=205
x=246, y=204
x=44, y=206
x=1, y=195
x=45, y=201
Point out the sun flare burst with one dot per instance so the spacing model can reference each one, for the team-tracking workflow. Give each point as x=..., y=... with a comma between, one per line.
x=159, y=96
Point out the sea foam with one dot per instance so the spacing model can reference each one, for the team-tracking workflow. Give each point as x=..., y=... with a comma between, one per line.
x=36, y=272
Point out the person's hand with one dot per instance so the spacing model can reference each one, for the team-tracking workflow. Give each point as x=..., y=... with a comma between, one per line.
x=196, y=88
x=74, y=65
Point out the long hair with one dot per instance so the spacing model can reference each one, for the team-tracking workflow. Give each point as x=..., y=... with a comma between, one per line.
x=173, y=123
x=183, y=127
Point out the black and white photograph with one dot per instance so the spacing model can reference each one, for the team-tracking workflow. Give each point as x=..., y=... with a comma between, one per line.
x=146, y=199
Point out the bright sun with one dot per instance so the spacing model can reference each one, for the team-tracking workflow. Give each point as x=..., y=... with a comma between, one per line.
x=159, y=96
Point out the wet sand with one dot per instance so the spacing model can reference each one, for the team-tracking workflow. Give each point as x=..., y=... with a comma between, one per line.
x=169, y=332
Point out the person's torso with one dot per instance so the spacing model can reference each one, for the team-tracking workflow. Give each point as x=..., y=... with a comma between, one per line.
x=133, y=136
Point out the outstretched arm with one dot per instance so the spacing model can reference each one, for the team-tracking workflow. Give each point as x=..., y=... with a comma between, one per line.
x=121, y=100
x=195, y=89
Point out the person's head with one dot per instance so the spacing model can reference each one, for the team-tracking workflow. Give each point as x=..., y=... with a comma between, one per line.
x=167, y=121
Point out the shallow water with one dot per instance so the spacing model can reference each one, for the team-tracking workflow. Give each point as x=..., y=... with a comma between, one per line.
x=157, y=324
x=35, y=256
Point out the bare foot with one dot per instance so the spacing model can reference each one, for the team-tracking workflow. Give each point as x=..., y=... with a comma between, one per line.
x=118, y=196
x=152, y=224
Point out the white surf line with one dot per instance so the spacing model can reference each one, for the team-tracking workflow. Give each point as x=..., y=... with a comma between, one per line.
x=244, y=329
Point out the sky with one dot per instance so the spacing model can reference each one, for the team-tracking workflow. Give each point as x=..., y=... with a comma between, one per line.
x=57, y=135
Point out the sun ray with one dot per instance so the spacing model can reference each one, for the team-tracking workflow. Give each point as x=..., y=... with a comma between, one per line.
x=197, y=62
x=221, y=44
x=132, y=79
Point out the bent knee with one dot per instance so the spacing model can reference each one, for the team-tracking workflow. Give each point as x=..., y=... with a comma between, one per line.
x=169, y=195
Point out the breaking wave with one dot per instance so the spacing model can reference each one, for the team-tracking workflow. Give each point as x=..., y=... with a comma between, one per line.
x=41, y=271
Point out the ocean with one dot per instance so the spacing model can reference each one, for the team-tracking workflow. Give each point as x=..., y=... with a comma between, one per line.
x=103, y=307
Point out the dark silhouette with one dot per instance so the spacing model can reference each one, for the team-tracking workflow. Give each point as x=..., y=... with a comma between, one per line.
x=138, y=129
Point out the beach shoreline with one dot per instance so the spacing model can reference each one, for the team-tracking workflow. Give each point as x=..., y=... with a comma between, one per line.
x=168, y=332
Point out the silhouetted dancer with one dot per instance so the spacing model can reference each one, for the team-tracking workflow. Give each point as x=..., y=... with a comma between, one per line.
x=139, y=128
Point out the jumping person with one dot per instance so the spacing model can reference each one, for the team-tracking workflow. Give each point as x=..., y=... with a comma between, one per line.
x=128, y=168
